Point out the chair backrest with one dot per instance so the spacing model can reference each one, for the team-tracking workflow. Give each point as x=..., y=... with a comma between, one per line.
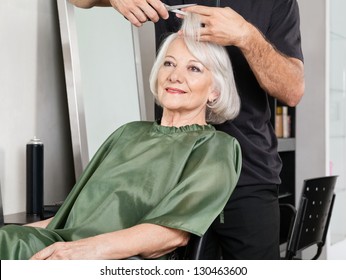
x=287, y=217
x=313, y=215
x=199, y=248
x=194, y=250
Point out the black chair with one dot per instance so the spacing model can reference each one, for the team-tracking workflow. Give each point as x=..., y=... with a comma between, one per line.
x=312, y=219
x=195, y=248
x=287, y=216
x=192, y=251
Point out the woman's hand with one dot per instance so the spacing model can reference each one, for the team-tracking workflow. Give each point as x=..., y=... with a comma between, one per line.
x=40, y=224
x=147, y=240
x=73, y=250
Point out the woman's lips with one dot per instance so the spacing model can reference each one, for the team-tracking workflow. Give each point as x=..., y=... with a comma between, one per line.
x=174, y=90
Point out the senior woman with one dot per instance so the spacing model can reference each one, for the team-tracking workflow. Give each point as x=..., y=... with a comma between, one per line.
x=150, y=185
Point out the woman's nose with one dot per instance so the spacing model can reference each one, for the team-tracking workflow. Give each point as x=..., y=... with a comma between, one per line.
x=176, y=76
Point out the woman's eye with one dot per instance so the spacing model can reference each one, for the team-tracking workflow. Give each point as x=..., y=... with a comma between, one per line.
x=195, y=69
x=168, y=63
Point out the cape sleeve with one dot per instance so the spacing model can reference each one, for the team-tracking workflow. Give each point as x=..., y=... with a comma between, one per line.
x=207, y=181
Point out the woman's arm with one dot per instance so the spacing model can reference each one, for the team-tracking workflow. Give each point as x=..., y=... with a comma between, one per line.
x=40, y=224
x=146, y=240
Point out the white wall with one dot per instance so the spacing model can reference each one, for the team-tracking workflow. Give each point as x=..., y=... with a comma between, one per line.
x=311, y=114
x=314, y=115
x=32, y=100
x=312, y=124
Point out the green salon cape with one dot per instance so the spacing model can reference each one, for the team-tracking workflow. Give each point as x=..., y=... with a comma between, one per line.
x=143, y=173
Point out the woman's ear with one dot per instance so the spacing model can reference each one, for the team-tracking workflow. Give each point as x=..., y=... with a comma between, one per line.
x=213, y=96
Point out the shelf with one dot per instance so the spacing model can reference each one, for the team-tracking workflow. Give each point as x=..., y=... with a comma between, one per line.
x=21, y=218
x=286, y=149
x=286, y=144
x=285, y=194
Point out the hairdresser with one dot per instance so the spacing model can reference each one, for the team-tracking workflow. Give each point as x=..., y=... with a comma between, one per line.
x=264, y=43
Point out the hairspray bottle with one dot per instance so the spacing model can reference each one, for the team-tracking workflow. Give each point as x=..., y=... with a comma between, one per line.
x=34, y=177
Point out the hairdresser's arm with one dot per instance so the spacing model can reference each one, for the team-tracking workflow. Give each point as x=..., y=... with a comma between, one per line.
x=280, y=76
x=146, y=240
x=40, y=224
x=136, y=11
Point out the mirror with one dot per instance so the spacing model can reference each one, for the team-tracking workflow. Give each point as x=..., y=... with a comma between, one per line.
x=103, y=75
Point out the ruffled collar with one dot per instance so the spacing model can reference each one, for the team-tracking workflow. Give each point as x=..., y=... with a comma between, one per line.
x=186, y=128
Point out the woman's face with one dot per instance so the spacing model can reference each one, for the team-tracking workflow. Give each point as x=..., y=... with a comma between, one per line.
x=184, y=83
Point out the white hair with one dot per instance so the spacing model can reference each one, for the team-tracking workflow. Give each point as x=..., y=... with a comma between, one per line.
x=215, y=58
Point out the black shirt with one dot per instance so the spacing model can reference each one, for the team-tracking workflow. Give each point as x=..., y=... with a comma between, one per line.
x=279, y=21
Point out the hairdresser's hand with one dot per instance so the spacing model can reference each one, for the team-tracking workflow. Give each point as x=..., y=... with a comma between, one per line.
x=139, y=11
x=74, y=250
x=222, y=26
x=280, y=76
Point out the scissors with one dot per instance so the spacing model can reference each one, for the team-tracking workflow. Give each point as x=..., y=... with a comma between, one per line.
x=176, y=8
